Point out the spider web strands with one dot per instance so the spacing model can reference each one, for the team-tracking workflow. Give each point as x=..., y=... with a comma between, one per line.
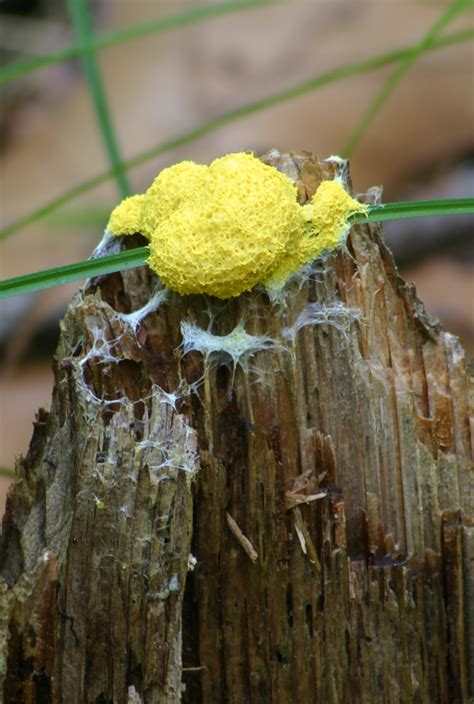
x=129, y=259
x=206, y=128
x=198, y=14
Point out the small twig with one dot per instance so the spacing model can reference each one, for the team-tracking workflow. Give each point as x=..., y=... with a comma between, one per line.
x=300, y=535
x=245, y=542
x=307, y=545
x=194, y=669
x=293, y=499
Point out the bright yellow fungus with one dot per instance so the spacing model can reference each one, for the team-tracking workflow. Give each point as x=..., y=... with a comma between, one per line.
x=126, y=218
x=222, y=229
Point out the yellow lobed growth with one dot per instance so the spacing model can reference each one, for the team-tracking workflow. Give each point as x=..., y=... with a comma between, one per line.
x=126, y=218
x=325, y=222
x=222, y=229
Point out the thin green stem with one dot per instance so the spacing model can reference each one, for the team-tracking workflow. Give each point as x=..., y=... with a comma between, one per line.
x=415, y=52
x=417, y=209
x=27, y=283
x=198, y=14
x=83, y=30
x=129, y=259
x=314, y=83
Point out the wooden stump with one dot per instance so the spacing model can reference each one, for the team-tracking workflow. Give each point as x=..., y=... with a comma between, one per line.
x=268, y=499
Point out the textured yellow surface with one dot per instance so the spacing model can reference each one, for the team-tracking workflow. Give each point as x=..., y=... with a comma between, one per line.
x=323, y=227
x=222, y=229
x=126, y=218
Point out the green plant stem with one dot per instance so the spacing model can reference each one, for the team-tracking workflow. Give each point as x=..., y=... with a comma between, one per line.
x=314, y=83
x=129, y=259
x=27, y=283
x=83, y=30
x=417, y=209
x=198, y=14
x=416, y=51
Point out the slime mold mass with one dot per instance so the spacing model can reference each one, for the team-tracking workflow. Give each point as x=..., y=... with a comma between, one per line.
x=222, y=229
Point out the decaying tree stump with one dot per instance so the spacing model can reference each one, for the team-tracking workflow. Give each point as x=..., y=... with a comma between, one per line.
x=266, y=500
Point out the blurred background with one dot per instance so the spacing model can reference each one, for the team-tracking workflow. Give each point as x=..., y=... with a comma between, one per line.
x=166, y=83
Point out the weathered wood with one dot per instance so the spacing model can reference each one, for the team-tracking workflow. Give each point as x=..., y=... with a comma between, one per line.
x=321, y=482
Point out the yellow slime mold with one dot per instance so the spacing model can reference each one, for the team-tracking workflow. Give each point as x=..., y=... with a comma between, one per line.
x=222, y=229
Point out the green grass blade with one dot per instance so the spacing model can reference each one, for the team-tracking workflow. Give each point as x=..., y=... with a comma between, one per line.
x=417, y=209
x=131, y=258
x=47, y=278
x=198, y=14
x=83, y=30
x=418, y=50
x=312, y=84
